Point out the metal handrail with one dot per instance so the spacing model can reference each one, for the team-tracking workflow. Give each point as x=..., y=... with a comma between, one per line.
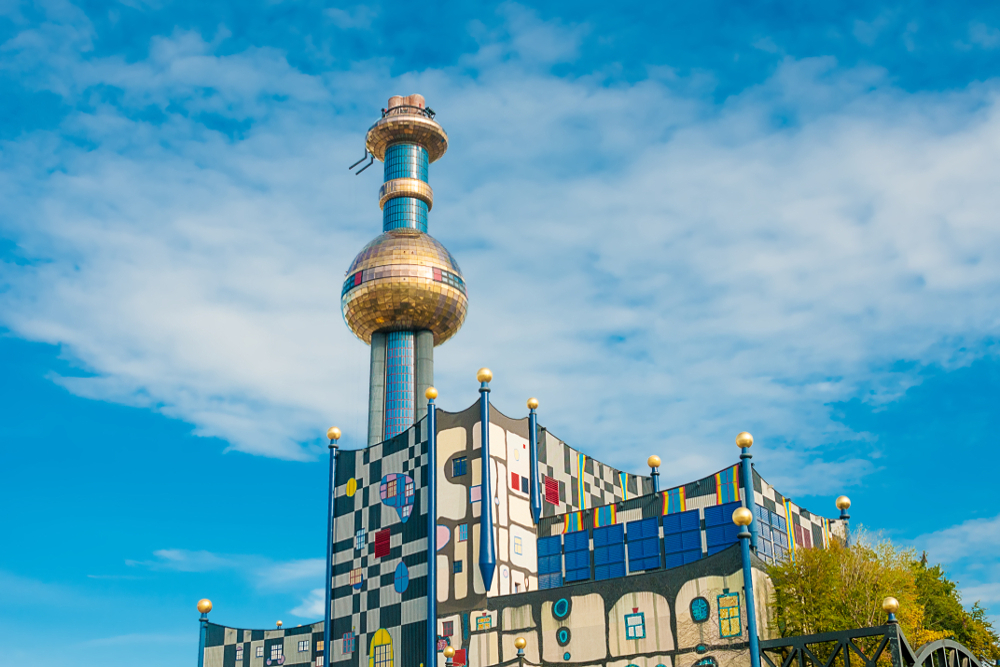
x=409, y=109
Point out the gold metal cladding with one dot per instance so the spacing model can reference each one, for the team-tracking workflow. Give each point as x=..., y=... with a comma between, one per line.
x=406, y=187
x=411, y=128
x=404, y=295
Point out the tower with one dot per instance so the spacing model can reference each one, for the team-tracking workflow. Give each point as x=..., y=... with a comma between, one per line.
x=404, y=292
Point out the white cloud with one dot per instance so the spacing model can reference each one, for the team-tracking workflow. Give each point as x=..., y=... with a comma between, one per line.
x=660, y=271
x=312, y=605
x=263, y=573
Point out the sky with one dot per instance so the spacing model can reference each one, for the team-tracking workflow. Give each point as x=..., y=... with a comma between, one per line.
x=676, y=222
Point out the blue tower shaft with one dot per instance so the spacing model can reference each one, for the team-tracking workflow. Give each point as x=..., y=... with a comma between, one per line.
x=405, y=161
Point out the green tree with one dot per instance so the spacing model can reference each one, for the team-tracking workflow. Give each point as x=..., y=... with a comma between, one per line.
x=842, y=588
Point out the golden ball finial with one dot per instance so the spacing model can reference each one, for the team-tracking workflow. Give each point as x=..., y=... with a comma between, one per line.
x=280, y=624
x=890, y=605
x=449, y=652
x=744, y=440
x=654, y=461
x=742, y=516
x=205, y=606
x=520, y=643
x=843, y=503
x=532, y=403
x=431, y=393
x=333, y=433
x=484, y=375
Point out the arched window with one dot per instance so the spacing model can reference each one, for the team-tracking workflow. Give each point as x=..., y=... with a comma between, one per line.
x=707, y=662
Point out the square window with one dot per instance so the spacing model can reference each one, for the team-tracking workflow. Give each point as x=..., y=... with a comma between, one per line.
x=515, y=481
x=319, y=660
x=277, y=650
x=457, y=567
x=463, y=532
x=390, y=488
x=357, y=577
x=303, y=646
x=359, y=539
x=239, y=654
x=484, y=622
x=524, y=484
x=319, y=645
x=447, y=628
x=348, y=641
x=518, y=546
x=382, y=543
x=260, y=651
x=459, y=466
x=635, y=626
x=551, y=491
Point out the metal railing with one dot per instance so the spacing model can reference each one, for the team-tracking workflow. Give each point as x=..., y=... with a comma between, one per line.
x=408, y=109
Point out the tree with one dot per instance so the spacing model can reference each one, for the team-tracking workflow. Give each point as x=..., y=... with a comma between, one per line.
x=841, y=588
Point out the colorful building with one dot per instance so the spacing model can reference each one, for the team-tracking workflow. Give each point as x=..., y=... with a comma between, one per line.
x=530, y=537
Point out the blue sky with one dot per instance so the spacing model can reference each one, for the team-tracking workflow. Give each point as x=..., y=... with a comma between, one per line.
x=676, y=222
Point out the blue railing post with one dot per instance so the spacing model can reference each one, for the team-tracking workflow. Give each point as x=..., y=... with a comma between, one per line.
x=431, y=394
x=536, y=494
x=745, y=441
x=204, y=606
x=487, y=543
x=743, y=518
x=334, y=435
x=844, y=504
x=654, y=471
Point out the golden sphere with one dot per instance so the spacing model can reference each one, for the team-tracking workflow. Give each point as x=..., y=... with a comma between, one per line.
x=205, y=606
x=280, y=624
x=520, y=643
x=333, y=433
x=484, y=375
x=742, y=516
x=654, y=461
x=744, y=439
x=843, y=503
x=449, y=652
x=431, y=393
x=404, y=280
x=532, y=403
x=890, y=605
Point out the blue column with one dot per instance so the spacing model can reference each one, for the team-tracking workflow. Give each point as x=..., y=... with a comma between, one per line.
x=654, y=471
x=536, y=495
x=487, y=543
x=405, y=161
x=844, y=504
x=748, y=593
x=749, y=502
x=431, y=424
x=334, y=435
x=202, y=634
x=399, y=377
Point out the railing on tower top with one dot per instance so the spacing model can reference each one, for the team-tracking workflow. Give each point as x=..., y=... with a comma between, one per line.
x=408, y=109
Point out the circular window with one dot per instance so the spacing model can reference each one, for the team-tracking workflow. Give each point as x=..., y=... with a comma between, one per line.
x=561, y=608
x=563, y=636
x=401, y=579
x=566, y=656
x=699, y=610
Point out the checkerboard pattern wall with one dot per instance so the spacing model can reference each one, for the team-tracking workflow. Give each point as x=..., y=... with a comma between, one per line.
x=281, y=647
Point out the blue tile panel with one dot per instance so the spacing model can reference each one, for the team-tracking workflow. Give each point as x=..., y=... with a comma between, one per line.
x=682, y=538
x=404, y=212
x=609, y=552
x=550, y=562
x=772, y=538
x=576, y=555
x=398, y=382
x=643, y=544
x=720, y=531
x=405, y=161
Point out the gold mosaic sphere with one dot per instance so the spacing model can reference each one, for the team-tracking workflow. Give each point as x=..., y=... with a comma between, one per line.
x=520, y=643
x=744, y=440
x=653, y=461
x=333, y=433
x=532, y=403
x=843, y=503
x=484, y=375
x=431, y=393
x=890, y=605
x=404, y=280
x=449, y=652
x=205, y=606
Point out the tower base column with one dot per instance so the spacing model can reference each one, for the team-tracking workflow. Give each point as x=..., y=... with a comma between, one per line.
x=424, y=354
x=376, y=390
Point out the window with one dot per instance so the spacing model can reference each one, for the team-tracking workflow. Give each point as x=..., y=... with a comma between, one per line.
x=635, y=626
x=390, y=488
x=729, y=614
x=277, y=651
x=382, y=543
x=549, y=562
x=303, y=646
x=349, y=641
x=551, y=491
x=239, y=654
x=459, y=466
x=448, y=628
x=463, y=532
x=260, y=651
x=359, y=539
x=457, y=567
x=319, y=660
x=576, y=553
x=643, y=544
x=609, y=552
x=699, y=610
x=524, y=485
x=515, y=482
x=356, y=577
x=383, y=656
x=518, y=546
x=484, y=622
x=707, y=662
x=682, y=538
x=720, y=531
x=319, y=645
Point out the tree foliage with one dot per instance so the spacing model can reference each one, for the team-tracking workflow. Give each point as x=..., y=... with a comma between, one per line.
x=842, y=588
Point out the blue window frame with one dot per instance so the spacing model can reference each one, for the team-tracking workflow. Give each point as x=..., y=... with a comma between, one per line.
x=576, y=555
x=609, y=552
x=729, y=614
x=682, y=538
x=463, y=532
x=643, y=544
x=459, y=466
x=550, y=562
x=359, y=539
x=457, y=568
x=720, y=531
x=635, y=626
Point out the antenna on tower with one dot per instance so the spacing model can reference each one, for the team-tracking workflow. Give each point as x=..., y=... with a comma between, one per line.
x=370, y=162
